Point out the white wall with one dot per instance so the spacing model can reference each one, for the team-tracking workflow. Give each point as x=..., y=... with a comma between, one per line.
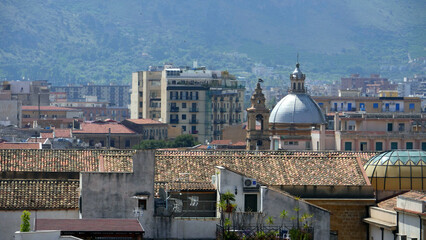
x=10, y=221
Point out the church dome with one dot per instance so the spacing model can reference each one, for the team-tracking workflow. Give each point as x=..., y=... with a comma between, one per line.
x=297, y=108
x=397, y=170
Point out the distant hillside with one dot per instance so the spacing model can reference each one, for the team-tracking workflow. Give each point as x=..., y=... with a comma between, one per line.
x=104, y=41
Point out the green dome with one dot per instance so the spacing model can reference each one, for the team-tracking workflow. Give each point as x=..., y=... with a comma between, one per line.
x=415, y=156
x=397, y=170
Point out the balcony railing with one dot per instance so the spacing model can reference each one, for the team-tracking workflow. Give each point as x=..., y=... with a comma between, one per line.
x=215, y=109
x=222, y=109
x=217, y=121
x=217, y=133
x=193, y=121
x=193, y=110
x=175, y=121
x=174, y=109
x=194, y=132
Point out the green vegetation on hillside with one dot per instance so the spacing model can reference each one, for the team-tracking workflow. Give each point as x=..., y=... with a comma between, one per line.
x=104, y=41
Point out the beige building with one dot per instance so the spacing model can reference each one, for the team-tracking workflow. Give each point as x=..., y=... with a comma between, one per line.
x=194, y=100
x=369, y=104
x=374, y=132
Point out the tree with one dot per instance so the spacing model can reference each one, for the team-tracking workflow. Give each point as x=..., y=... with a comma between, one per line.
x=185, y=140
x=25, y=221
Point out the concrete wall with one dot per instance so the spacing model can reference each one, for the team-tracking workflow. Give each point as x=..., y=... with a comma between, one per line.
x=109, y=195
x=10, y=221
x=272, y=202
x=10, y=112
x=185, y=228
x=39, y=235
x=376, y=233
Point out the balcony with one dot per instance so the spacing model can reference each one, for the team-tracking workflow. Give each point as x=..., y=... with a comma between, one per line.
x=222, y=121
x=222, y=109
x=174, y=109
x=215, y=109
x=194, y=132
x=193, y=110
x=238, y=109
x=237, y=99
x=193, y=121
x=174, y=121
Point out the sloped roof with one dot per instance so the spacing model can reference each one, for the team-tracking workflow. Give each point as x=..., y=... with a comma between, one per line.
x=269, y=167
x=20, y=145
x=144, y=121
x=90, y=225
x=390, y=204
x=59, y=133
x=66, y=160
x=103, y=128
x=38, y=194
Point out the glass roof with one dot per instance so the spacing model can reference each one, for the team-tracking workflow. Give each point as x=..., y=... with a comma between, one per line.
x=405, y=156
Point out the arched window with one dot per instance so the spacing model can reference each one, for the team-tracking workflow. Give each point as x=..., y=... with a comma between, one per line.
x=259, y=119
x=298, y=86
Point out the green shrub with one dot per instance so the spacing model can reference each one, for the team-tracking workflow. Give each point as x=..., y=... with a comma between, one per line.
x=25, y=221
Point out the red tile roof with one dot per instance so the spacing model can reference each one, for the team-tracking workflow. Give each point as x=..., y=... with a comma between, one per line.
x=46, y=108
x=103, y=128
x=390, y=203
x=23, y=145
x=59, y=133
x=269, y=167
x=66, y=160
x=38, y=194
x=241, y=143
x=144, y=121
x=90, y=225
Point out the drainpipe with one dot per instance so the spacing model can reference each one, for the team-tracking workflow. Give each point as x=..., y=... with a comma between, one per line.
x=420, y=218
x=383, y=233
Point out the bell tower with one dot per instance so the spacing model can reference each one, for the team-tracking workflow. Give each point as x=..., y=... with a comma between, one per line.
x=297, y=80
x=258, y=122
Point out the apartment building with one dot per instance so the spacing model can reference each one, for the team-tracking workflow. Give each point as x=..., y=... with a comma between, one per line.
x=369, y=86
x=374, y=132
x=369, y=104
x=29, y=93
x=115, y=95
x=197, y=101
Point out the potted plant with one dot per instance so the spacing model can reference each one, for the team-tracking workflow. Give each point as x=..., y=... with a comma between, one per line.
x=228, y=198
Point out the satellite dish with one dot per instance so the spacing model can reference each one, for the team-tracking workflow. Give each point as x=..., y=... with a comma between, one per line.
x=163, y=194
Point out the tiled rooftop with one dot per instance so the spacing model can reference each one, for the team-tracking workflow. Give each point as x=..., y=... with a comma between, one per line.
x=144, y=121
x=20, y=145
x=190, y=186
x=221, y=142
x=66, y=160
x=103, y=128
x=390, y=203
x=269, y=167
x=38, y=194
x=59, y=133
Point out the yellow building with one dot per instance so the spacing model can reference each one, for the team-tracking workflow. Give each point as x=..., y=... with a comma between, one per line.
x=195, y=100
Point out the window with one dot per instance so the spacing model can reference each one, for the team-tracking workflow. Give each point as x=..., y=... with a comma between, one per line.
x=250, y=202
x=411, y=106
x=390, y=127
x=423, y=146
x=375, y=105
x=401, y=127
x=362, y=106
x=142, y=204
x=112, y=143
x=194, y=129
x=348, y=146
x=363, y=146
x=379, y=146
x=183, y=105
x=127, y=144
x=409, y=145
x=183, y=128
x=183, y=116
x=394, y=145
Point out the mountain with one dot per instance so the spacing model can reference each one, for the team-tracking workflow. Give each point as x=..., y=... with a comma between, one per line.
x=104, y=41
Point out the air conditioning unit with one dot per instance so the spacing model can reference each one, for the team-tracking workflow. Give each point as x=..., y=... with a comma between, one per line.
x=250, y=183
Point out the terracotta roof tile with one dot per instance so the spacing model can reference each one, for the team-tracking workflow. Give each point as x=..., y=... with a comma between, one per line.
x=38, y=194
x=36, y=140
x=269, y=167
x=191, y=186
x=144, y=121
x=90, y=225
x=23, y=145
x=66, y=160
x=241, y=143
x=390, y=204
x=59, y=133
x=103, y=128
